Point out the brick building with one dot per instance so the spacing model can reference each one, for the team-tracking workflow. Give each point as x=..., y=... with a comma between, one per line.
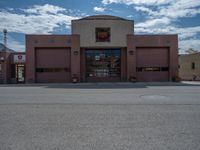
x=101, y=48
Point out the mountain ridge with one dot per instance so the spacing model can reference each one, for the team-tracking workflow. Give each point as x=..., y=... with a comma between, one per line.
x=2, y=48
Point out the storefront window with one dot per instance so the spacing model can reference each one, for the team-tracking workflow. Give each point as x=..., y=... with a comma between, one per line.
x=103, y=63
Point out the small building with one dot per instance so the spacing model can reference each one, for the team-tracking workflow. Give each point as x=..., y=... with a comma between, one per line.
x=189, y=66
x=101, y=48
x=12, y=66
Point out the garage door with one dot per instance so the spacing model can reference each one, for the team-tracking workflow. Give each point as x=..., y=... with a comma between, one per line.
x=152, y=64
x=52, y=65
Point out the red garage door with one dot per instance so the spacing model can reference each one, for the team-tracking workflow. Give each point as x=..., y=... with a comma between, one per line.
x=52, y=65
x=152, y=64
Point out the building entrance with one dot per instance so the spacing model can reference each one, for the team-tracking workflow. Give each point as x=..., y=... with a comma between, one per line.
x=20, y=73
x=103, y=65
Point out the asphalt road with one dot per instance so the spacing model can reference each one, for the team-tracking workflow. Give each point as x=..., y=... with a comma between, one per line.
x=106, y=116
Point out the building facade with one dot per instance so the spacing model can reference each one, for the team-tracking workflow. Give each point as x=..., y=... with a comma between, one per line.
x=12, y=67
x=101, y=48
x=189, y=66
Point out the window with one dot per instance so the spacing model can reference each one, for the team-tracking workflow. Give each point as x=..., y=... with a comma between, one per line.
x=40, y=70
x=102, y=34
x=164, y=69
x=139, y=69
x=149, y=69
x=193, y=65
x=152, y=69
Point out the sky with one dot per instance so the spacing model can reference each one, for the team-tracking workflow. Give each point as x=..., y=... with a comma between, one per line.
x=22, y=17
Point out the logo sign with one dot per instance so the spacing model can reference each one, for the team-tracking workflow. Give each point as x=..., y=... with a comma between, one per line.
x=103, y=35
x=20, y=58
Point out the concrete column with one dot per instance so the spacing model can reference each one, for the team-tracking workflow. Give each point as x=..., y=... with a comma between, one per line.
x=123, y=65
x=131, y=58
x=173, y=55
x=83, y=65
x=30, y=60
x=75, y=58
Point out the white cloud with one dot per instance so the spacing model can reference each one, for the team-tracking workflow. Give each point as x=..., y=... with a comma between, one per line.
x=175, y=11
x=153, y=27
x=138, y=2
x=188, y=32
x=144, y=9
x=130, y=16
x=17, y=46
x=99, y=9
x=39, y=19
x=163, y=8
x=154, y=23
x=13, y=44
x=45, y=9
x=190, y=43
x=161, y=18
x=36, y=20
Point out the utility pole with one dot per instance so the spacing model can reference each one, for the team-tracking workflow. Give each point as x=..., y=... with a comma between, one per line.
x=5, y=38
x=5, y=55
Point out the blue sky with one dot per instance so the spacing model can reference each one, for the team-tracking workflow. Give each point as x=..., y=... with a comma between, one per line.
x=22, y=17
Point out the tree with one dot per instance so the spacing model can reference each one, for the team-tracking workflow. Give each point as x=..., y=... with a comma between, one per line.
x=191, y=51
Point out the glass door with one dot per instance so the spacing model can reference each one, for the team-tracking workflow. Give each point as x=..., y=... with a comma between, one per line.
x=103, y=63
x=20, y=73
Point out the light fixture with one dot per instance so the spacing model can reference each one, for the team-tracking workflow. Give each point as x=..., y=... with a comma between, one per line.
x=132, y=79
x=75, y=52
x=131, y=52
x=74, y=79
x=2, y=59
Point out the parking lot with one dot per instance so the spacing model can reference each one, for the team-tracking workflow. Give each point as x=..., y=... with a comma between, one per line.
x=97, y=116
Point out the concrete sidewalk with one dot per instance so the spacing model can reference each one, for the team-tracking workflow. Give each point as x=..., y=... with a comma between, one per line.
x=183, y=83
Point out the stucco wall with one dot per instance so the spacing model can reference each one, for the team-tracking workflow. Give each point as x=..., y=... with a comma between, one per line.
x=185, y=66
x=119, y=31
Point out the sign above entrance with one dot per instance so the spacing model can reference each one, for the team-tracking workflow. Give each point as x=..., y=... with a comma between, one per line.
x=20, y=58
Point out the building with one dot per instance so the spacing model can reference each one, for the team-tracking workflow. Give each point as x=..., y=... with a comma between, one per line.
x=101, y=48
x=12, y=65
x=189, y=66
